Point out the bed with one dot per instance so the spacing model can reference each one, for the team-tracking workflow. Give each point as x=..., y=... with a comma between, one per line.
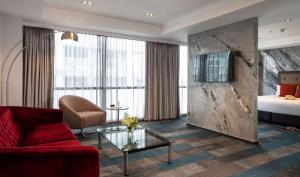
x=278, y=110
x=276, y=104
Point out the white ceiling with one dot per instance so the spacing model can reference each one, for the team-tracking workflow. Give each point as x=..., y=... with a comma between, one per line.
x=173, y=20
x=272, y=21
x=164, y=10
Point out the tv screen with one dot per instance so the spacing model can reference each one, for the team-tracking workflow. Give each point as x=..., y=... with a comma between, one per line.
x=213, y=67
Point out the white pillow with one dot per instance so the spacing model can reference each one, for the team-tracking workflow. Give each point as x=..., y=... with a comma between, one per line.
x=277, y=90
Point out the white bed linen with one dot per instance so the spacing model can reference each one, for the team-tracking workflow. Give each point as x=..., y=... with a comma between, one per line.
x=278, y=104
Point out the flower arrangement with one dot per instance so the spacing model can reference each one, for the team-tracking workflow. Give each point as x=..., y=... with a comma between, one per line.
x=131, y=122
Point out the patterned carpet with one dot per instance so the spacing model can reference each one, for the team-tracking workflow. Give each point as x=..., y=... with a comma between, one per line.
x=201, y=153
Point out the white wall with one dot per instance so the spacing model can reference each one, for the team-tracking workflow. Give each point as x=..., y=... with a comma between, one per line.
x=10, y=35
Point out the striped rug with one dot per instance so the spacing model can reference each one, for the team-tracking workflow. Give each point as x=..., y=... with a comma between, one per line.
x=202, y=153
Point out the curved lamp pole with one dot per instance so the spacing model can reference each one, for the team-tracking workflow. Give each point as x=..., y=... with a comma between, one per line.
x=67, y=35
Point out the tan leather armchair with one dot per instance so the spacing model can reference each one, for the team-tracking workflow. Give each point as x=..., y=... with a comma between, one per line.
x=80, y=112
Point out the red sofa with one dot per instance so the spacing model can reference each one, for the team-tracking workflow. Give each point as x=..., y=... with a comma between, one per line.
x=35, y=143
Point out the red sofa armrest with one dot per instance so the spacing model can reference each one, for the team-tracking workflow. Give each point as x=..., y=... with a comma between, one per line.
x=81, y=161
x=30, y=117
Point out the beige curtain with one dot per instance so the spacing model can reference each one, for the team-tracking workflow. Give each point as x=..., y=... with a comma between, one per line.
x=162, y=81
x=38, y=60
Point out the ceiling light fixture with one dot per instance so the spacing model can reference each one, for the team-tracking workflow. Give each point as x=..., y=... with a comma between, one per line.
x=288, y=20
x=87, y=2
x=149, y=14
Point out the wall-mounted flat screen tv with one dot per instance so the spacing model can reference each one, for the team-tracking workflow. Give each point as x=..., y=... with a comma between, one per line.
x=213, y=67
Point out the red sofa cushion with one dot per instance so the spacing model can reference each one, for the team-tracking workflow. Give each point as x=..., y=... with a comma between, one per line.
x=47, y=134
x=10, y=132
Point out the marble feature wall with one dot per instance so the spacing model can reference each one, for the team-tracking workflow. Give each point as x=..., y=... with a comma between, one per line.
x=271, y=62
x=228, y=108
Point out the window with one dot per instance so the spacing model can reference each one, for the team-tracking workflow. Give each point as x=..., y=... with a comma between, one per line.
x=107, y=70
x=125, y=74
x=183, y=79
x=102, y=69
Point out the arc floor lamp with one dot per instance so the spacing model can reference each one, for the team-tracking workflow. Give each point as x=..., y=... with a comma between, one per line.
x=67, y=35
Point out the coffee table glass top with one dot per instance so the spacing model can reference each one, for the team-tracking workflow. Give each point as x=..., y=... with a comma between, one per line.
x=138, y=140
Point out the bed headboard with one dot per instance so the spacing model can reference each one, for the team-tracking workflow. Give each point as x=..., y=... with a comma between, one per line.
x=289, y=77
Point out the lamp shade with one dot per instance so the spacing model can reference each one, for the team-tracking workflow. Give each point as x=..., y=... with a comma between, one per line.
x=69, y=35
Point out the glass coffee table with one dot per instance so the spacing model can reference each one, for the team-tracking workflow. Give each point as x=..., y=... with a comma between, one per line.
x=141, y=139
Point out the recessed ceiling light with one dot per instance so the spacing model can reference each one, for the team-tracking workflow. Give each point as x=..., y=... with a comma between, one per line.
x=149, y=14
x=87, y=2
x=288, y=20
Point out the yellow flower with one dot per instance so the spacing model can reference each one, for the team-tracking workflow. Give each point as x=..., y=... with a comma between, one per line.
x=130, y=122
